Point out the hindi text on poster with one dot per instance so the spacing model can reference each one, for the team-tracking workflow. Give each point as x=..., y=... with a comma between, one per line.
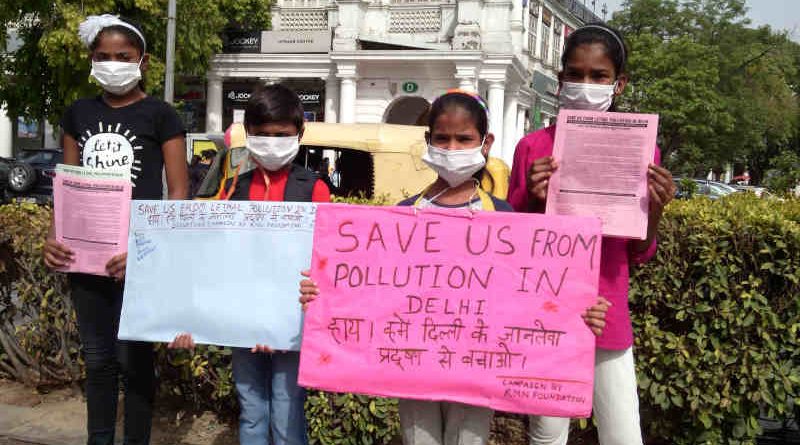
x=480, y=308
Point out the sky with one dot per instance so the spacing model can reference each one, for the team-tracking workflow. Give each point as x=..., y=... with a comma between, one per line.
x=780, y=14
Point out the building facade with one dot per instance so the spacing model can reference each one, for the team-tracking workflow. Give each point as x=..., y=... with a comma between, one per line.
x=373, y=61
x=549, y=23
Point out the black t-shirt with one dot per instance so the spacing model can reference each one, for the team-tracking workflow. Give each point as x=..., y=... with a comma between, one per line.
x=124, y=138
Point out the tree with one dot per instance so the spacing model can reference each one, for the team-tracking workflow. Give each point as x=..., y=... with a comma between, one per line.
x=51, y=69
x=726, y=93
x=676, y=80
x=760, y=96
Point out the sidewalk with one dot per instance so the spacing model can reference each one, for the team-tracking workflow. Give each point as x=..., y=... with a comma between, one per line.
x=65, y=424
x=59, y=418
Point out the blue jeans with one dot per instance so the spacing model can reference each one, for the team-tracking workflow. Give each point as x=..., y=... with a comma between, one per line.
x=270, y=400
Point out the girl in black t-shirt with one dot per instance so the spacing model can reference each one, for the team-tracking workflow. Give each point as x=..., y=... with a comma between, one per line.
x=121, y=129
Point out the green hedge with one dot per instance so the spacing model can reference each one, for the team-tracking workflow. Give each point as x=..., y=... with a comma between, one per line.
x=715, y=315
x=716, y=319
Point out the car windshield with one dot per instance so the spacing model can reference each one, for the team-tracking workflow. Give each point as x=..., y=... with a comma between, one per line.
x=727, y=188
x=42, y=157
x=716, y=190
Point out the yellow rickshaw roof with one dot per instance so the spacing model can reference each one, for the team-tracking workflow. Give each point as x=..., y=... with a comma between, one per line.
x=373, y=138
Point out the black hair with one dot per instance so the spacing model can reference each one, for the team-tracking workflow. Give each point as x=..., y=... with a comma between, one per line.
x=273, y=103
x=609, y=37
x=208, y=154
x=462, y=101
x=133, y=38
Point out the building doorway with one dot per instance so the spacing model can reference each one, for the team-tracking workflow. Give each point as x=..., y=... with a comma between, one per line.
x=408, y=110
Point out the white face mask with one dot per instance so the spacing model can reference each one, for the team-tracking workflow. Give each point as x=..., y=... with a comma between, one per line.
x=586, y=96
x=273, y=153
x=455, y=166
x=116, y=77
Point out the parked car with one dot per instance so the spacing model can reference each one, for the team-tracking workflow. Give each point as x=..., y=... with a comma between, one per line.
x=761, y=192
x=703, y=187
x=29, y=177
x=5, y=167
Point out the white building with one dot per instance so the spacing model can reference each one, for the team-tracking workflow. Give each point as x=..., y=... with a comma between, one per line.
x=18, y=133
x=385, y=60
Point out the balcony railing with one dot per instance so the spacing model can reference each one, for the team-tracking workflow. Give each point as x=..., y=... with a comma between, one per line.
x=304, y=20
x=303, y=3
x=415, y=21
x=581, y=12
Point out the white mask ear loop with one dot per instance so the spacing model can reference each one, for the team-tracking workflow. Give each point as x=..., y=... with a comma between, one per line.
x=471, y=197
x=438, y=195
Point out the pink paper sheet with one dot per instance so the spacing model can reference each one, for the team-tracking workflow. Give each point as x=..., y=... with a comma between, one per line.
x=408, y=308
x=603, y=161
x=91, y=218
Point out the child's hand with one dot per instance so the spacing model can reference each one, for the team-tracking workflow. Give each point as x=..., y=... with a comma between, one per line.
x=308, y=289
x=56, y=255
x=595, y=316
x=262, y=348
x=661, y=187
x=539, y=178
x=182, y=341
x=116, y=266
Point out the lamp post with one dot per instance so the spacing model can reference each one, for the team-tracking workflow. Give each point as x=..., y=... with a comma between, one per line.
x=169, y=81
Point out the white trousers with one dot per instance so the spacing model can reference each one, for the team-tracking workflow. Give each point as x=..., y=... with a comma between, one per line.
x=444, y=423
x=615, y=405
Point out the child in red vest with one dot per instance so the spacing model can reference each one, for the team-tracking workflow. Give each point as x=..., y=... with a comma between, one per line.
x=266, y=380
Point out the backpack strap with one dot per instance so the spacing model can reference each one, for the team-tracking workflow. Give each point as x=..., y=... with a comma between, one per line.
x=215, y=177
x=238, y=186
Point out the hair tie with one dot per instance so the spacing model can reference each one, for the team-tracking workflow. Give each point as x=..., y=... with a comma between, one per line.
x=471, y=94
x=94, y=24
x=609, y=31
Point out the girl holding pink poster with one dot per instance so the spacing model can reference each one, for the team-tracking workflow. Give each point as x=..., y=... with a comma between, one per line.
x=122, y=130
x=594, y=73
x=458, y=145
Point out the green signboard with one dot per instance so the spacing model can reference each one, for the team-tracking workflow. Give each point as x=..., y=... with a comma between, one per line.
x=410, y=87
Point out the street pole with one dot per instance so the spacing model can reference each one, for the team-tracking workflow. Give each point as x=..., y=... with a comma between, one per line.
x=169, y=81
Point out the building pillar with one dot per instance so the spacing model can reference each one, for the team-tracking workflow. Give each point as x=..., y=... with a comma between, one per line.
x=517, y=26
x=331, y=98
x=520, y=123
x=214, y=104
x=467, y=77
x=6, y=134
x=496, y=102
x=347, y=93
x=466, y=84
x=526, y=10
x=510, y=123
x=537, y=51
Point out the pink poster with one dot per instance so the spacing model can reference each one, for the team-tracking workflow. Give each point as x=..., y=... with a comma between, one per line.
x=603, y=160
x=481, y=308
x=91, y=211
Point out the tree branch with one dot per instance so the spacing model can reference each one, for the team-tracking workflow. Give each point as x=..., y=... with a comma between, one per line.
x=16, y=360
x=756, y=58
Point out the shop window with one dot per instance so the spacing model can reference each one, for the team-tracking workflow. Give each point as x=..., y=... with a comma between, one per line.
x=533, y=23
x=545, y=50
x=557, y=51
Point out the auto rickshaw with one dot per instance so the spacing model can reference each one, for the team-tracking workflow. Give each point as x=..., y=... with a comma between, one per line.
x=370, y=160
